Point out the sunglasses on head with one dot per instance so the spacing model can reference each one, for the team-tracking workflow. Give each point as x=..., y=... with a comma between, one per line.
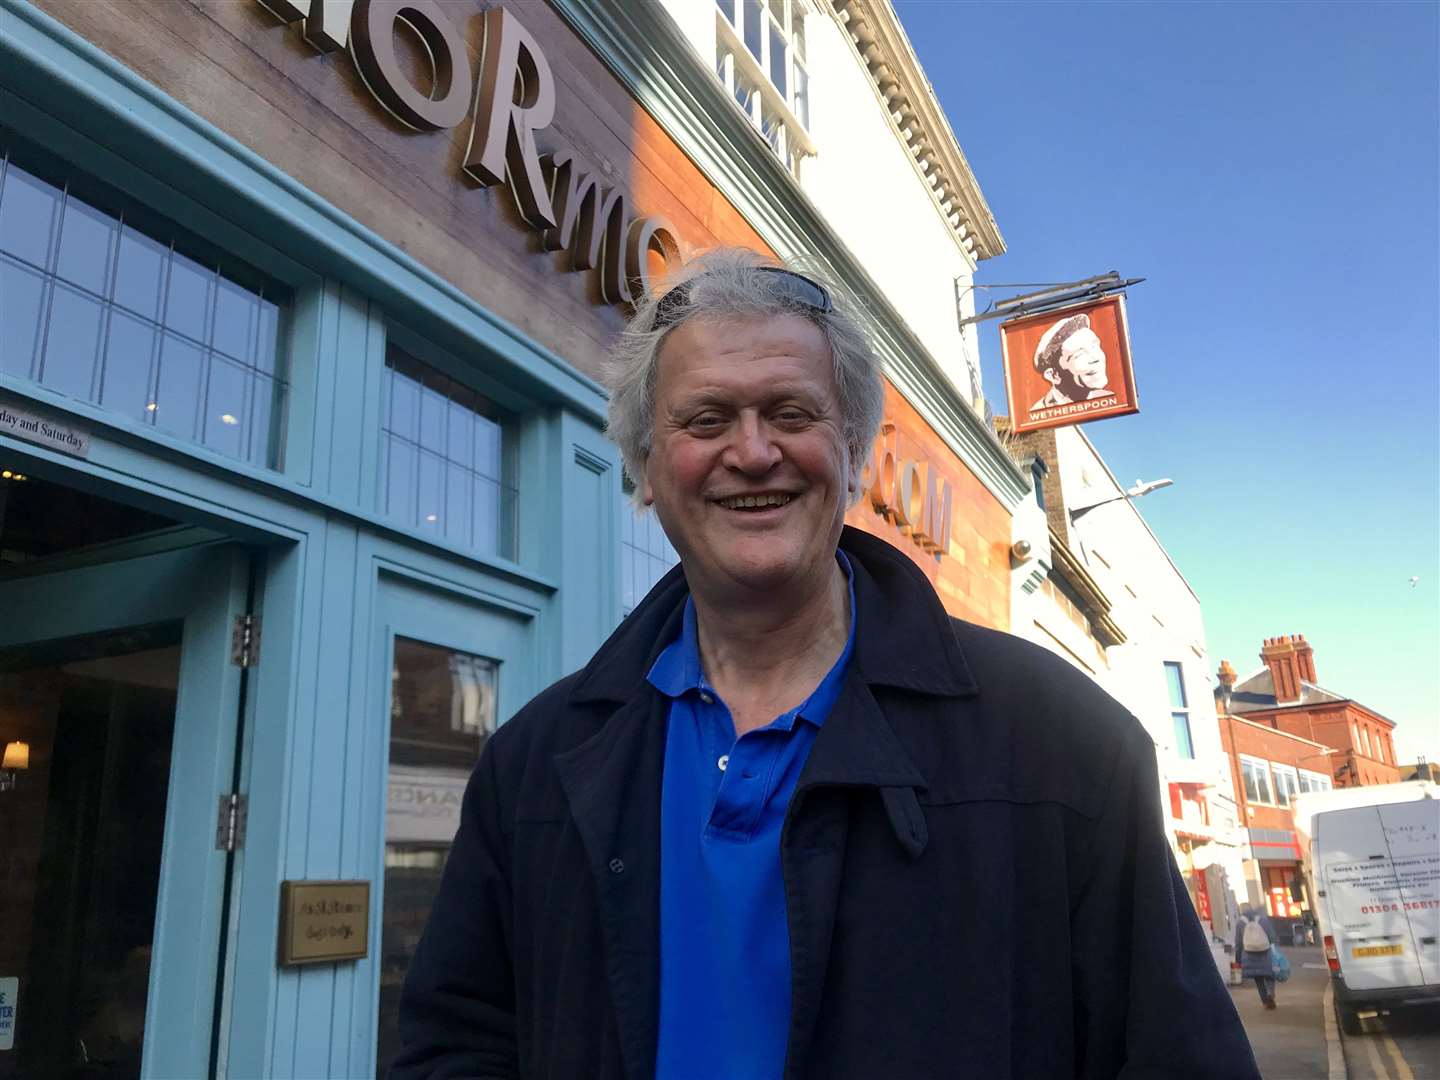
x=792, y=286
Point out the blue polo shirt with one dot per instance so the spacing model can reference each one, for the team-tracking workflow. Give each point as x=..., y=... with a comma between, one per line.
x=724, y=941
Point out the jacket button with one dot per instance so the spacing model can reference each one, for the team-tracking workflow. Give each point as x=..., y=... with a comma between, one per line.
x=617, y=866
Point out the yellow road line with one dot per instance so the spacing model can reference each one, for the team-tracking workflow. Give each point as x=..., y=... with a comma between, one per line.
x=1402, y=1068
x=1378, y=1066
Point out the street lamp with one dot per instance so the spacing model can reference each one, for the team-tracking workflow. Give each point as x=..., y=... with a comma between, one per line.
x=1142, y=487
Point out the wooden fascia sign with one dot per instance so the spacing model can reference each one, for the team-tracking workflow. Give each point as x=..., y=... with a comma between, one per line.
x=557, y=194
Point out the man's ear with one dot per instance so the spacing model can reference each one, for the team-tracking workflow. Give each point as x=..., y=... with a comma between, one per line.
x=1052, y=376
x=647, y=493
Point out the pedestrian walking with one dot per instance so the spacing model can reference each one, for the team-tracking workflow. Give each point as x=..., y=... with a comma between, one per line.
x=1254, y=937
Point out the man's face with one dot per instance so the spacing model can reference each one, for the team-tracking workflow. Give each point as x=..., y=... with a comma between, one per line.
x=1083, y=360
x=746, y=411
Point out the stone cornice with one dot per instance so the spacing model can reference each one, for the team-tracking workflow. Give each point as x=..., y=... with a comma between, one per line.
x=1093, y=600
x=920, y=123
x=657, y=64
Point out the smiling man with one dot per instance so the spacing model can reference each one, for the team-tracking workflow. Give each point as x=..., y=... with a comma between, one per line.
x=1071, y=359
x=792, y=819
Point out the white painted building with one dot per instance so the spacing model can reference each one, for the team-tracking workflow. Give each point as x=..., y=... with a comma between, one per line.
x=837, y=91
x=1098, y=588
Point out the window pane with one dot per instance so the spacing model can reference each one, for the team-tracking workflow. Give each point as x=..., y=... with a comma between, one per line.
x=87, y=241
x=1183, y=745
x=267, y=338
x=129, y=354
x=29, y=208
x=139, y=273
x=404, y=406
x=225, y=411
x=432, y=420
x=177, y=400
x=400, y=481
x=188, y=296
x=236, y=314
x=800, y=104
x=22, y=295
x=442, y=709
x=1262, y=782
x=431, y=491
x=1252, y=787
x=1175, y=682
x=797, y=28
x=459, y=491
x=744, y=92
x=727, y=8
x=754, y=27
x=267, y=414
x=72, y=342
x=777, y=59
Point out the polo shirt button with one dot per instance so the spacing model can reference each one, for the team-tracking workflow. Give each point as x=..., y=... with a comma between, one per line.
x=617, y=866
x=724, y=762
x=708, y=699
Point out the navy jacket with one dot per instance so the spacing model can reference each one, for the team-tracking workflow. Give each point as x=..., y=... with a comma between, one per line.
x=977, y=880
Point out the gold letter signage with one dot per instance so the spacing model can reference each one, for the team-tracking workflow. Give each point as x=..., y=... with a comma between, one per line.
x=557, y=195
x=915, y=501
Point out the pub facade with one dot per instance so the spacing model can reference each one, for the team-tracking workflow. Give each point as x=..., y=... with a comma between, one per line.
x=303, y=481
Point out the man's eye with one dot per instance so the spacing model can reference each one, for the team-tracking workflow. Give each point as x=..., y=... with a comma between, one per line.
x=707, y=421
x=791, y=416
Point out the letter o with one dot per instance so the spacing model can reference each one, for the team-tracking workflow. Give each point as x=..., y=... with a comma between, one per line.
x=907, y=513
x=649, y=234
x=372, y=44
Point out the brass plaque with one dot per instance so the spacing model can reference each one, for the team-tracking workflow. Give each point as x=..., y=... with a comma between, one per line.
x=324, y=921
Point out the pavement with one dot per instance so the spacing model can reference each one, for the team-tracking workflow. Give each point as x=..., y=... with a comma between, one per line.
x=1290, y=1043
x=1300, y=1040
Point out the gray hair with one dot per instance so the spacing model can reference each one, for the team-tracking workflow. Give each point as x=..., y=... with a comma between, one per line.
x=722, y=282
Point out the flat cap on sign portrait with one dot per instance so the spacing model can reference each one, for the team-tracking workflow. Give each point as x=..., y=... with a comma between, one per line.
x=1047, y=352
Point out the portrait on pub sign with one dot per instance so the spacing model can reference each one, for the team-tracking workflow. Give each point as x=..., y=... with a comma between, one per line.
x=1069, y=366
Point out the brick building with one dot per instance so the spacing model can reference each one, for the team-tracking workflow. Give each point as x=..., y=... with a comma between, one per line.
x=1286, y=735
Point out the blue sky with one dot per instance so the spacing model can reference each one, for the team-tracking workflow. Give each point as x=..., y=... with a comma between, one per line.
x=1273, y=170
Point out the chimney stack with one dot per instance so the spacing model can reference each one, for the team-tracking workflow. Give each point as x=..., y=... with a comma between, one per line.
x=1306, y=657
x=1226, y=675
x=1283, y=656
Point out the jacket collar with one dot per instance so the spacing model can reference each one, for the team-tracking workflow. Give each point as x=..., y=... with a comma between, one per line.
x=904, y=639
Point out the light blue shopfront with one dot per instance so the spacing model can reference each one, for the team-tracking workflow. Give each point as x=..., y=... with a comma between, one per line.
x=303, y=532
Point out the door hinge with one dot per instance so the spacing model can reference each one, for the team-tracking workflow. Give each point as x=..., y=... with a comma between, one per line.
x=245, y=641
x=230, y=824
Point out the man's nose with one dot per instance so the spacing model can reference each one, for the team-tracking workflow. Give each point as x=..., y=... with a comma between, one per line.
x=752, y=448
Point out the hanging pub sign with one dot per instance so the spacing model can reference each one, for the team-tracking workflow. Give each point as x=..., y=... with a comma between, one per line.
x=1069, y=366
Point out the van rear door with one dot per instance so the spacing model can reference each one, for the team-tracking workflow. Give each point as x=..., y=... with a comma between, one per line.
x=1363, y=900
x=1412, y=832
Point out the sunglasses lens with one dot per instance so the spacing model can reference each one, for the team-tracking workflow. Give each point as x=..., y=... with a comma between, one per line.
x=793, y=286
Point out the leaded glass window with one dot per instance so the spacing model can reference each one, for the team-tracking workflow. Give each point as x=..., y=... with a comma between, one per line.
x=445, y=465
x=103, y=302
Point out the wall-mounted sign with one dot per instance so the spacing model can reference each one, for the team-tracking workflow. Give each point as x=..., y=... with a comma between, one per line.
x=513, y=93
x=1069, y=366
x=42, y=431
x=324, y=921
x=911, y=494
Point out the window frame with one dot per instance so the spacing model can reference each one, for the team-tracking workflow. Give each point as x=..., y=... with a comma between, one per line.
x=771, y=109
x=1263, y=766
x=1179, y=711
x=1291, y=775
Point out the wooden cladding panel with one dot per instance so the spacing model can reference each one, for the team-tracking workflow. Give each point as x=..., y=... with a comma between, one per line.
x=310, y=115
x=973, y=580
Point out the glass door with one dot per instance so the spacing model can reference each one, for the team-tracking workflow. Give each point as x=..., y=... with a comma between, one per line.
x=456, y=669
x=118, y=713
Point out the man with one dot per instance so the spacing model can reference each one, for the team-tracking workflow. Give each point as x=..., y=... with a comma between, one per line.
x=1070, y=357
x=792, y=819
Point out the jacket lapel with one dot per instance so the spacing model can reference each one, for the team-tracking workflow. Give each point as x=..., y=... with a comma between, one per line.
x=612, y=783
x=855, y=749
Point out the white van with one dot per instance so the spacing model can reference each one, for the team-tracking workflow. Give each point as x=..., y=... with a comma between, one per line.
x=1374, y=870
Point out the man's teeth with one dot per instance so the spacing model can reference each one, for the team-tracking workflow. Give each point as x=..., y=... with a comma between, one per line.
x=754, y=502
